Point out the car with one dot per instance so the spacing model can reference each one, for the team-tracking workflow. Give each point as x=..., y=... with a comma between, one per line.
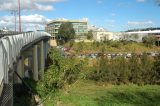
x=113, y=55
x=128, y=55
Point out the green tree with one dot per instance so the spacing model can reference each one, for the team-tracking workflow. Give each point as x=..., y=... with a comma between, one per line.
x=90, y=35
x=146, y=68
x=123, y=70
x=66, y=32
x=136, y=74
x=157, y=69
x=62, y=71
x=149, y=40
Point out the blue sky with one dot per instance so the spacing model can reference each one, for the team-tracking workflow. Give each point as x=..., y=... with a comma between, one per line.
x=113, y=15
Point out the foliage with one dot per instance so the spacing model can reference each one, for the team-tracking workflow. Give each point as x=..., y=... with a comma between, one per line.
x=62, y=71
x=149, y=40
x=157, y=69
x=112, y=47
x=147, y=69
x=137, y=70
x=71, y=43
x=90, y=35
x=66, y=32
x=134, y=66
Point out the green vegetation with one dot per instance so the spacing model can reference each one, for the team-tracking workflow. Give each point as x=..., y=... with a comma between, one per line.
x=88, y=93
x=61, y=72
x=100, y=82
x=90, y=35
x=149, y=40
x=137, y=70
x=111, y=47
x=66, y=32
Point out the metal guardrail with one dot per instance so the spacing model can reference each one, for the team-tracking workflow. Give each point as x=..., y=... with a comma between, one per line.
x=2, y=34
x=10, y=47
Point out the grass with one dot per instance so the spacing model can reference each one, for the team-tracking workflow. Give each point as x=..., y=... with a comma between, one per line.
x=89, y=93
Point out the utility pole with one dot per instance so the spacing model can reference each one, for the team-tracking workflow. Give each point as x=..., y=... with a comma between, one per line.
x=14, y=12
x=19, y=12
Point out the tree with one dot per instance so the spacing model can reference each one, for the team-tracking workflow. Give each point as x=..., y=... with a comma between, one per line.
x=90, y=35
x=136, y=74
x=149, y=40
x=157, y=69
x=62, y=71
x=66, y=32
x=146, y=67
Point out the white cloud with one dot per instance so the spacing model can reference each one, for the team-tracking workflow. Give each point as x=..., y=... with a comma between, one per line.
x=29, y=23
x=110, y=21
x=124, y=4
x=42, y=5
x=99, y=1
x=37, y=19
x=48, y=0
x=139, y=23
x=140, y=1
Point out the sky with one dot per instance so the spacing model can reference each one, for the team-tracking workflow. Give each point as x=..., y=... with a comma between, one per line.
x=113, y=15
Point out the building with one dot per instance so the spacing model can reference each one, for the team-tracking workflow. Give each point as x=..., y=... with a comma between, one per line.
x=101, y=35
x=5, y=32
x=138, y=35
x=80, y=26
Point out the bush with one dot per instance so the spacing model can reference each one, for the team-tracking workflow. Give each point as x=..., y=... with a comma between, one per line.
x=137, y=70
x=62, y=71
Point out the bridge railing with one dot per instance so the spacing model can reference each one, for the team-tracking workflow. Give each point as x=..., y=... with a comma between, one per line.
x=10, y=48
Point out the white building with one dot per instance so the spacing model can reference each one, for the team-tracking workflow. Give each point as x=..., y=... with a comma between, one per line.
x=138, y=35
x=102, y=35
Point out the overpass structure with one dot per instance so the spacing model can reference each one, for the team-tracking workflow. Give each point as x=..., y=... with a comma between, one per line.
x=18, y=54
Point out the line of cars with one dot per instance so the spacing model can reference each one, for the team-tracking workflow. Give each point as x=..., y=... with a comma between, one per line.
x=109, y=55
x=115, y=55
x=65, y=49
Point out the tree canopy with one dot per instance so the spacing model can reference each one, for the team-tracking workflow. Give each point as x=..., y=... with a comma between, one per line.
x=66, y=32
x=149, y=40
x=90, y=34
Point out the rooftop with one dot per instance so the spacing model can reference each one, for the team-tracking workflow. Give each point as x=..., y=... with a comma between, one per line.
x=66, y=20
x=144, y=32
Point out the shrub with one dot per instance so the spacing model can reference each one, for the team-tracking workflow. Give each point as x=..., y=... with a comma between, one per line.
x=62, y=71
x=137, y=70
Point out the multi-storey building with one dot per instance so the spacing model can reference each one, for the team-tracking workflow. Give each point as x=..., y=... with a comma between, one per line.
x=80, y=26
